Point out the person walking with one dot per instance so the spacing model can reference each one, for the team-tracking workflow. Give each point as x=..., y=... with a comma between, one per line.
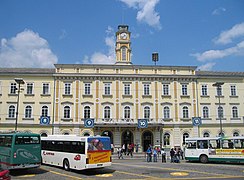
x=123, y=149
x=149, y=154
x=120, y=153
x=163, y=153
x=172, y=155
x=155, y=155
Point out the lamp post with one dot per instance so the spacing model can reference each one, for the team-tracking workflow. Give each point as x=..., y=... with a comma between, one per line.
x=19, y=81
x=218, y=85
x=155, y=57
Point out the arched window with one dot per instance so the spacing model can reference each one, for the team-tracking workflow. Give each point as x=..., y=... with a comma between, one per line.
x=127, y=112
x=235, y=134
x=11, y=111
x=205, y=112
x=166, y=112
x=86, y=134
x=206, y=134
x=28, y=111
x=185, y=112
x=87, y=112
x=107, y=112
x=123, y=49
x=220, y=112
x=66, y=112
x=234, y=112
x=185, y=135
x=44, y=111
x=147, y=112
x=166, y=139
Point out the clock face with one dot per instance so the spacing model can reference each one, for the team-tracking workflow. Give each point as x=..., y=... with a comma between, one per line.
x=123, y=35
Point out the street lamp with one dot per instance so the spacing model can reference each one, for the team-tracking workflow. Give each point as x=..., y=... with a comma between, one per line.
x=19, y=81
x=218, y=85
x=155, y=57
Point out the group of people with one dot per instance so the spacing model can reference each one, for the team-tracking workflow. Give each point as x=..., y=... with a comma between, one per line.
x=153, y=153
x=176, y=155
x=126, y=150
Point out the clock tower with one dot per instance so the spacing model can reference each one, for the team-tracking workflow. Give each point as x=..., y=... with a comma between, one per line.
x=123, y=49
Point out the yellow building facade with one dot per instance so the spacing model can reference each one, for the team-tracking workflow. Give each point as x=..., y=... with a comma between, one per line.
x=116, y=97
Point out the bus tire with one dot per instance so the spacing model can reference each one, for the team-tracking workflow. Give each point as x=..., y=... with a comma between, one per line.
x=203, y=159
x=66, y=165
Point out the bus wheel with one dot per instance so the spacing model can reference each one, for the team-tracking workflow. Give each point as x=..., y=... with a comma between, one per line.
x=66, y=165
x=203, y=159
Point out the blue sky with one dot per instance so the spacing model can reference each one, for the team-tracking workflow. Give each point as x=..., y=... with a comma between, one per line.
x=208, y=33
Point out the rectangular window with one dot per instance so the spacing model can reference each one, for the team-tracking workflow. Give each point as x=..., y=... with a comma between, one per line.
x=29, y=89
x=107, y=88
x=204, y=90
x=6, y=140
x=126, y=89
x=27, y=140
x=67, y=88
x=146, y=89
x=165, y=89
x=233, y=90
x=13, y=88
x=45, y=88
x=184, y=89
x=219, y=91
x=87, y=88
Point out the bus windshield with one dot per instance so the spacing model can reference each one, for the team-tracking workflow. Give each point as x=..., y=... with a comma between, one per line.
x=98, y=143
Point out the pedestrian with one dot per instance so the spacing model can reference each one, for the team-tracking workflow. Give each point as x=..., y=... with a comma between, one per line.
x=130, y=151
x=112, y=148
x=123, y=149
x=182, y=154
x=155, y=155
x=149, y=154
x=172, y=155
x=163, y=153
x=137, y=147
x=120, y=153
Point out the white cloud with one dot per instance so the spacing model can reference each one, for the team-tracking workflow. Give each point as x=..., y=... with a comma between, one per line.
x=218, y=11
x=101, y=58
x=227, y=36
x=217, y=54
x=146, y=11
x=207, y=66
x=26, y=49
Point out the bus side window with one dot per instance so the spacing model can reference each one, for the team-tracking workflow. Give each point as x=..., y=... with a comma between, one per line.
x=202, y=144
x=237, y=144
x=191, y=145
x=213, y=144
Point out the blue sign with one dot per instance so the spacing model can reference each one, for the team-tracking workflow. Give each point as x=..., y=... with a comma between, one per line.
x=89, y=123
x=45, y=120
x=196, y=121
x=142, y=123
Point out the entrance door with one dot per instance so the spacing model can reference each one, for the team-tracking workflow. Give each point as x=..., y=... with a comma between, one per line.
x=127, y=138
x=147, y=139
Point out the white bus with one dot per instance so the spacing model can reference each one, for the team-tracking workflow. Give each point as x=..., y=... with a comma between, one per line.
x=76, y=152
x=226, y=149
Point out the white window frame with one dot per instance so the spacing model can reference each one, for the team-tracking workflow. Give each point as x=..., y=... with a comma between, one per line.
x=146, y=89
x=84, y=113
x=12, y=114
x=43, y=111
x=127, y=88
x=166, y=112
x=204, y=113
x=184, y=89
x=110, y=112
x=125, y=113
x=165, y=90
x=67, y=88
x=233, y=90
x=185, y=112
x=45, y=88
x=29, y=88
x=204, y=90
x=13, y=88
x=64, y=112
x=28, y=112
x=234, y=111
x=107, y=88
x=87, y=88
x=147, y=112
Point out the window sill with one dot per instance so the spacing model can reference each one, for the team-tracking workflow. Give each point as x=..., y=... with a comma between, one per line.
x=107, y=95
x=147, y=96
x=29, y=94
x=28, y=119
x=167, y=119
x=45, y=95
x=68, y=95
x=127, y=96
x=166, y=96
x=185, y=119
x=12, y=94
x=205, y=96
x=206, y=119
x=185, y=96
x=87, y=95
x=11, y=118
x=235, y=119
x=233, y=96
x=221, y=96
x=66, y=119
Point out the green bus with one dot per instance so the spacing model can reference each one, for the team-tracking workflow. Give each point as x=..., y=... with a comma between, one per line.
x=19, y=150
